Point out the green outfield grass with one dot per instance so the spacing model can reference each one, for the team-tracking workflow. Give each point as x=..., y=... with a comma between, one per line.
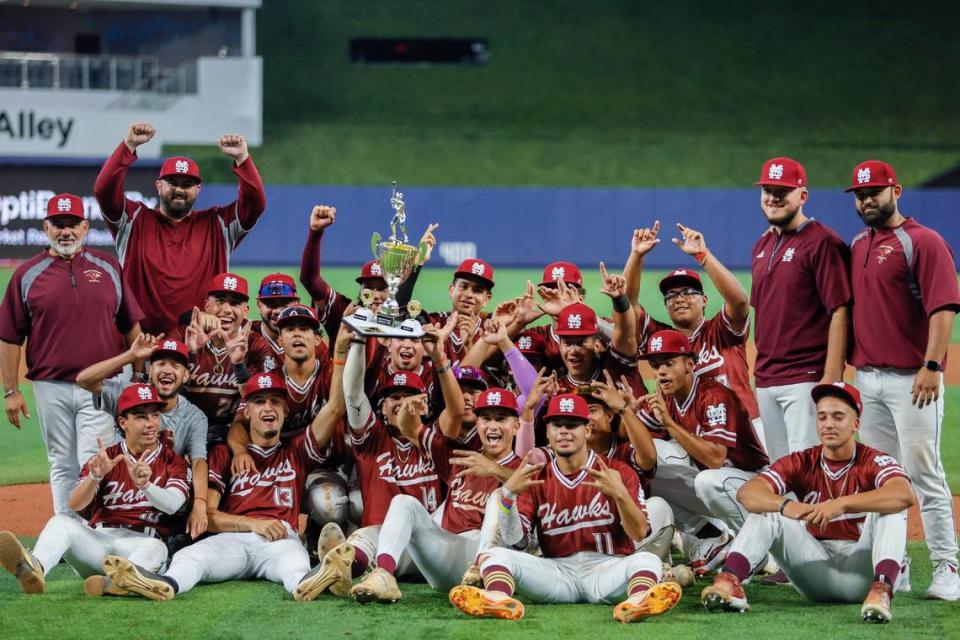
x=259, y=610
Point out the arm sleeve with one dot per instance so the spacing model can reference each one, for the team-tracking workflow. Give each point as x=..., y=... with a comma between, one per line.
x=405, y=292
x=359, y=410
x=513, y=527
x=310, y=276
x=108, y=188
x=252, y=198
x=523, y=373
x=167, y=499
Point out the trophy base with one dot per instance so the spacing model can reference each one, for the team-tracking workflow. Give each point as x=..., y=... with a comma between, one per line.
x=367, y=323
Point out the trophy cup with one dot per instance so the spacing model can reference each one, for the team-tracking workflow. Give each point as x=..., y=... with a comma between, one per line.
x=396, y=258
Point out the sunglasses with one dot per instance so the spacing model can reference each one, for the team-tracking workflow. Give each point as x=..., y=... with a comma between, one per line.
x=278, y=289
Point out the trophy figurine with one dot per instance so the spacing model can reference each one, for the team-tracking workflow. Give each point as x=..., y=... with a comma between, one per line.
x=396, y=258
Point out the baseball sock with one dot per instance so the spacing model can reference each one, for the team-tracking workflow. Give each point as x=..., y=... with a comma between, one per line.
x=360, y=562
x=387, y=563
x=887, y=571
x=498, y=578
x=738, y=565
x=640, y=582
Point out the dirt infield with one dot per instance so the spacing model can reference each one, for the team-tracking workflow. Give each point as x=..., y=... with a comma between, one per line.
x=25, y=508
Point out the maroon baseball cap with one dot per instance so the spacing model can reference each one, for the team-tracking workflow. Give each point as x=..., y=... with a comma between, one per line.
x=476, y=269
x=229, y=283
x=137, y=395
x=470, y=377
x=566, y=271
x=568, y=405
x=497, y=398
x=782, y=172
x=277, y=286
x=405, y=380
x=170, y=348
x=180, y=166
x=262, y=382
x=842, y=390
x=371, y=271
x=872, y=173
x=681, y=278
x=65, y=204
x=298, y=313
x=576, y=319
x=668, y=342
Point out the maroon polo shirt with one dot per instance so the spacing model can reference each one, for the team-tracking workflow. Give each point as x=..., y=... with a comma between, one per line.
x=169, y=265
x=900, y=277
x=800, y=277
x=72, y=313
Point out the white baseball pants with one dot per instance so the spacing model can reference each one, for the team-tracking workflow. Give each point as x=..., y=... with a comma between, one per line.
x=70, y=426
x=824, y=570
x=717, y=489
x=240, y=556
x=789, y=418
x=85, y=547
x=892, y=424
x=587, y=576
x=367, y=540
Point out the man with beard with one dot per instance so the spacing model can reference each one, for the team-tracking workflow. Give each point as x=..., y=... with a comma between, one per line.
x=801, y=293
x=169, y=254
x=184, y=424
x=277, y=292
x=47, y=298
x=905, y=300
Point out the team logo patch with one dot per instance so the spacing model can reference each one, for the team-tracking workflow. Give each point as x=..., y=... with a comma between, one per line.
x=494, y=398
x=863, y=175
x=400, y=378
x=230, y=284
x=558, y=273
x=144, y=393
x=477, y=269
x=775, y=172
x=574, y=321
x=63, y=204
x=656, y=344
x=169, y=345
x=788, y=255
x=716, y=414
x=680, y=272
x=884, y=460
x=525, y=343
x=269, y=364
x=93, y=275
x=883, y=252
x=566, y=405
x=375, y=269
x=181, y=166
x=264, y=382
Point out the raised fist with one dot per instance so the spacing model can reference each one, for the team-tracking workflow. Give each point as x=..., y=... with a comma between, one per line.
x=235, y=146
x=322, y=217
x=139, y=133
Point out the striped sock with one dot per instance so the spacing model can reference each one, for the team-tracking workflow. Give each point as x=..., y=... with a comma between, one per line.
x=640, y=582
x=738, y=565
x=498, y=578
x=387, y=563
x=360, y=562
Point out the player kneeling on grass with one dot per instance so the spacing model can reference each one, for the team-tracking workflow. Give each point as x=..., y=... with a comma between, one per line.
x=845, y=540
x=442, y=551
x=588, y=514
x=254, y=513
x=129, y=491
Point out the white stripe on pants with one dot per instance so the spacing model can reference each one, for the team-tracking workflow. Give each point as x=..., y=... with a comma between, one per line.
x=70, y=426
x=789, y=418
x=587, y=576
x=86, y=547
x=240, y=556
x=824, y=570
x=892, y=424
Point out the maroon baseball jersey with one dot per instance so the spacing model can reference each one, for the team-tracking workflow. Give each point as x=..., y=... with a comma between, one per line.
x=455, y=348
x=623, y=451
x=466, y=496
x=303, y=401
x=571, y=516
x=389, y=465
x=541, y=346
x=814, y=479
x=713, y=412
x=721, y=352
x=275, y=490
x=119, y=503
x=212, y=387
x=900, y=277
x=169, y=265
x=800, y=277
x=330, y=311
x=71, y=312
x=613, y=362
x=267, y=354
x=380, y=370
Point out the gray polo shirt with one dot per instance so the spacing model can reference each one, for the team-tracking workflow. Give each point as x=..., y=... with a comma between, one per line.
x=187, y=423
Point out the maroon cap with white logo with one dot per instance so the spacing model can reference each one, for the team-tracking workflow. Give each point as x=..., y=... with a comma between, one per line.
x=174, y=349
x=576, y=319
x=681, y=278
x=841, y=390
x=872, y=173
x=65, y=204
x=568, y=405
x=782, y=172
x=371, y=271
x=666, y=343
x=566, y=271
x=476, y=269
x=404, y=380
x=497, y=398
x=137, y=395
x=229, y=283
x=263, y=382
x=180, y=166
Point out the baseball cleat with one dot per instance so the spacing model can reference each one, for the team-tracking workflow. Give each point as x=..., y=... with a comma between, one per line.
x=725, y=594
x=330, y=536
x=472, y=577
x=486, y=604
x=334, y=570
x=377, y=585
x=903, y=579
x=775, y=579
x=945, y=584
x=681, y=574
x=16, y=559
x=655, y=601
x=126, y=575
x=709, y=554
x=876, y=606
x=97, y=586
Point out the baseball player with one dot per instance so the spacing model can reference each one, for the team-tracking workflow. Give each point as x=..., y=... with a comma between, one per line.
x=277, y=292
x=842, y=541
x=588, y=514
x=169, y=254
x=45, y=298
x=443, y=550
x=801, y=294
x=708, y=422
x=185, y=423
x=130, y=492
x=905, y=301
x=253, y=514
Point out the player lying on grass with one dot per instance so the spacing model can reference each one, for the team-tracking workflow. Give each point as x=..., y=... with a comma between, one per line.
x=845, y=540
x=130, y=493
x=588, y=514
x=254, y=514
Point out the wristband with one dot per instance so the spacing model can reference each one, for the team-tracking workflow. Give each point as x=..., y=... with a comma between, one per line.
x=783, y=505
x=621, y=304
x=701, y=257
x=444, y=368
x=96, y=479
x=10, y=393
x=241, y=373
x=506, y=501
x=201, y=499
x=339, y=363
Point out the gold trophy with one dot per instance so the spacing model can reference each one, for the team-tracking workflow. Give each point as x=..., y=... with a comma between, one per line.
x=397, y=258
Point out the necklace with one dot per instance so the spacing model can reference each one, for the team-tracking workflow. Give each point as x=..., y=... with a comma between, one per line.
x=832, y=477
x=219, y=355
